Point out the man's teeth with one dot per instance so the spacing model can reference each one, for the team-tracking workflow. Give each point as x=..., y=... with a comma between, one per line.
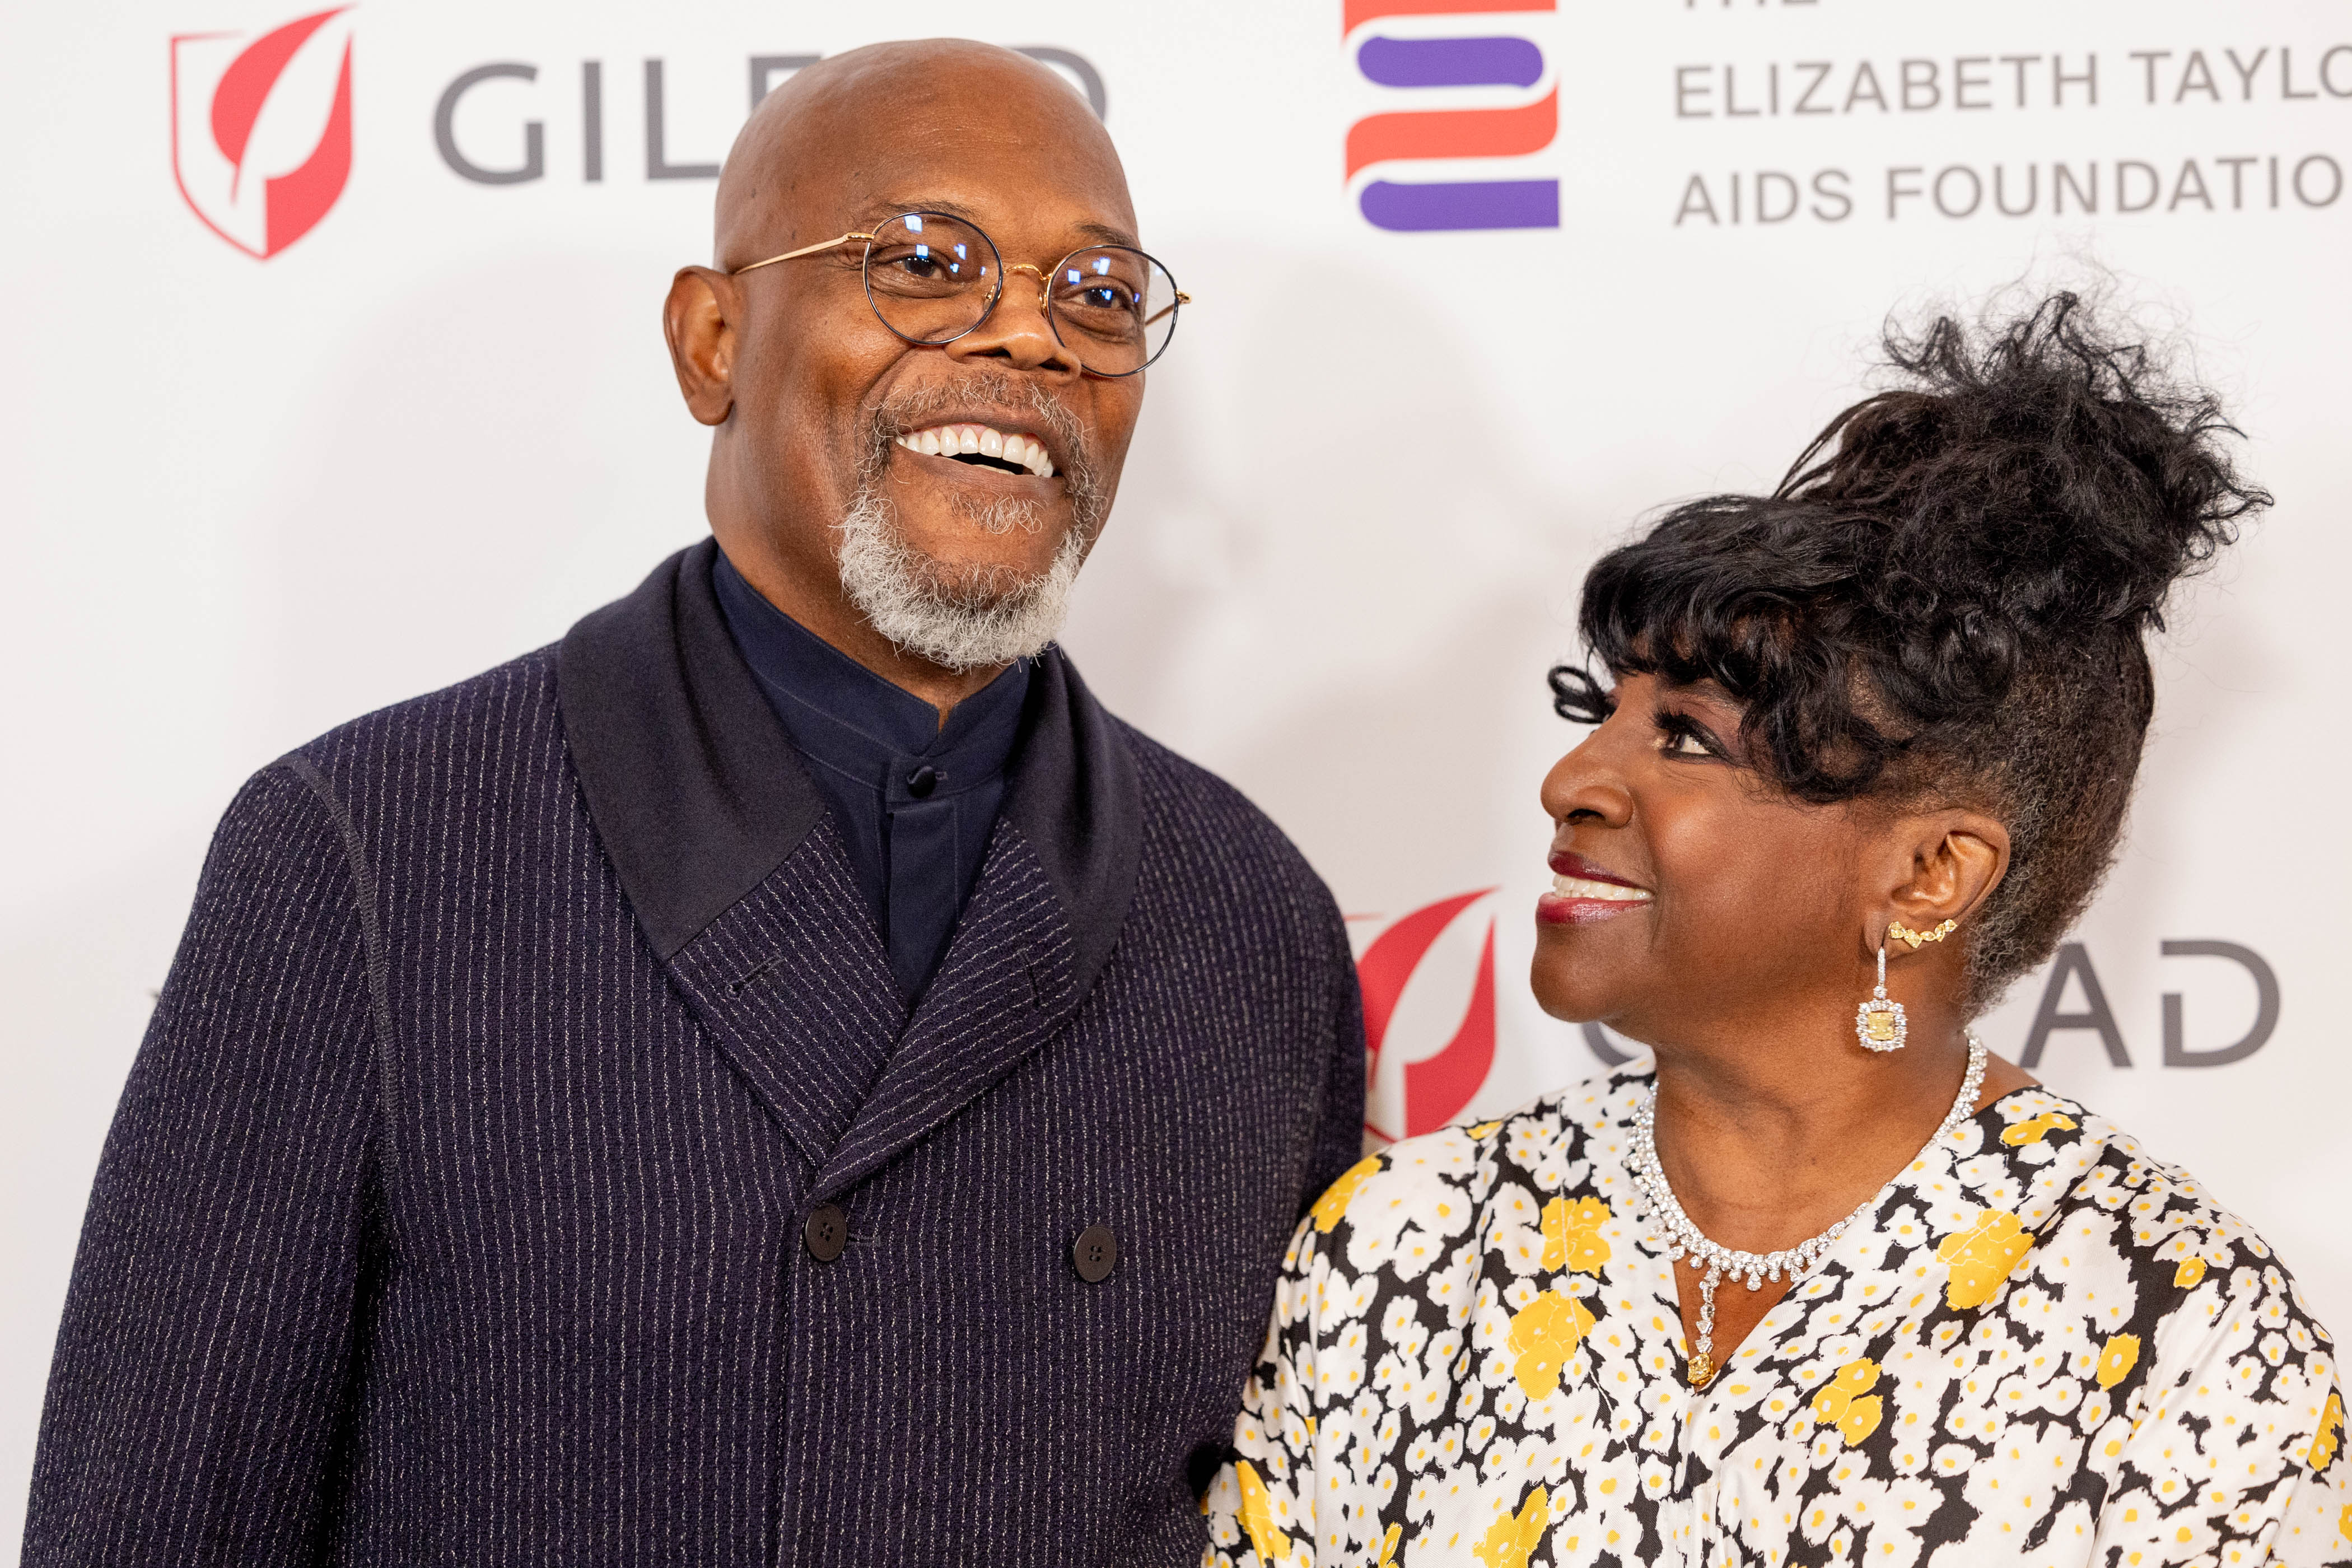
x=979, y=440
x=1582, y=888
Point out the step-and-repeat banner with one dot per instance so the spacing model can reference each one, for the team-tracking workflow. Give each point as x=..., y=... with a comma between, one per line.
x=335, y=375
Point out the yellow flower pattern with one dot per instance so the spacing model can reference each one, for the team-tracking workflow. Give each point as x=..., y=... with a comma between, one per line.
x=1513, y=1539
x=2034, y=1128
x=1544, y=1334
x=1267, y=1539
x=1982, y=1256
x=1847, y=1403
x=1477, y=1361
x=1333, y=1204
x=1572, y=1238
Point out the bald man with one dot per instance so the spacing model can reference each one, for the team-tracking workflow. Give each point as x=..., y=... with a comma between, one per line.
x=781, y=1076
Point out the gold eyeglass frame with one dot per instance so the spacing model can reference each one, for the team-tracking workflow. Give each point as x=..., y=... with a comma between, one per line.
x=1044, y=277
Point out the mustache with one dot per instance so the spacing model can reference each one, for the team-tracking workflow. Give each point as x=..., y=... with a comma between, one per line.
x=915, y=408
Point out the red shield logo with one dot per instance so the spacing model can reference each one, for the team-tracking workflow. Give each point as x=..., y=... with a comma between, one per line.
x=1435, y=1086
x=261, y=129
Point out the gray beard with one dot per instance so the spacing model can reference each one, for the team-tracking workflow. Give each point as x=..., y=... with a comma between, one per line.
x=970, y=621
x=973, y=618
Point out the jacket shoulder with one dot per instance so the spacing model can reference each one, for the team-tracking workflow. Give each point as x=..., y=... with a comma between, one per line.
x=1192, y=813
x=490, y=723
x=1205, y=802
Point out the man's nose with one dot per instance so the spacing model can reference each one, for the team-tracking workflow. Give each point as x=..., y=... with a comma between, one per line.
x=1017, y=331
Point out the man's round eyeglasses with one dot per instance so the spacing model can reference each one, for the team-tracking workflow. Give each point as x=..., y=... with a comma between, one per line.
x=933, y=277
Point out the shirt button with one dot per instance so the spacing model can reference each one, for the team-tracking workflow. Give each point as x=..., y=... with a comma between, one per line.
x=1095, y=1254
x=826, y=1232
x=922, y=781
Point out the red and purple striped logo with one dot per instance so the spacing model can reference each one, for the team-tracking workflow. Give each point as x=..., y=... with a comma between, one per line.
x=1415, y=64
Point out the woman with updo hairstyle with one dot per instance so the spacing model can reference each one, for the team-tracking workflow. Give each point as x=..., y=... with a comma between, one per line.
x=1822, y=1280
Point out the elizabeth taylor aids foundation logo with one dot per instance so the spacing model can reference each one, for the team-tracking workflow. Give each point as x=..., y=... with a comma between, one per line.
x=261, y=128
x=1489, y=119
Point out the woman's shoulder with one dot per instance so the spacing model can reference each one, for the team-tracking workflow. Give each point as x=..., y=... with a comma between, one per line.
x=2073, y=1175
x=1398, y=1205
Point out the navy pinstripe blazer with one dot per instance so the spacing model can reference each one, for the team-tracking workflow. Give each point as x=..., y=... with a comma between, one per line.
x=453, y=1210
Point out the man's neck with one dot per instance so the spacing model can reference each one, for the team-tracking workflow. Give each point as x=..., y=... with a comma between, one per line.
x=821, y=609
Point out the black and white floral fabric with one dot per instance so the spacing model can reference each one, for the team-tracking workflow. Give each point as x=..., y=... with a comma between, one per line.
x=2046, y=1348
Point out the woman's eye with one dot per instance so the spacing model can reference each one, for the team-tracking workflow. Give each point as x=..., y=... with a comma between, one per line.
x=1684, y=743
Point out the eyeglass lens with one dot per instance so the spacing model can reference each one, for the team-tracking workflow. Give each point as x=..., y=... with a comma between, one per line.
x=932, y=278
x=1114, y=308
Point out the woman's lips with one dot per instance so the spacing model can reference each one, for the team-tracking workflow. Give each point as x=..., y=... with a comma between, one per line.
x=1576, y=900
x=1568, y=863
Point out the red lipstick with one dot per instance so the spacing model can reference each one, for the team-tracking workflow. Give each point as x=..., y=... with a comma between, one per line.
x=1585, y=894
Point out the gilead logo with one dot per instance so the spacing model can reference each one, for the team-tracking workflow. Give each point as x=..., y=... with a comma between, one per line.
x=261, y=128
x=1435, y=1085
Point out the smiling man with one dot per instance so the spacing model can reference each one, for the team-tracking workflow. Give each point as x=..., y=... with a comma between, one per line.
x=781, y=1076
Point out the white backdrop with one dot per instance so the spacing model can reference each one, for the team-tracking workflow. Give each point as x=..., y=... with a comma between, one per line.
x=248, y=498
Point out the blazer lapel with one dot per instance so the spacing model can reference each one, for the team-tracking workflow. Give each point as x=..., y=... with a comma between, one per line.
x=708, y=818
x=998, y=994
x=794, y=984
x=707, y=815
x=1052, y=900
x=696, y=792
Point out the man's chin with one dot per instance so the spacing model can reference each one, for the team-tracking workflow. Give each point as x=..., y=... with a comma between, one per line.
x=974, y=555
x=980, y=586
x=982, y=526
x=974, y=599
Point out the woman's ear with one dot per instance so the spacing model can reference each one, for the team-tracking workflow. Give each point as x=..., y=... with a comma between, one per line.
x=1956, y=859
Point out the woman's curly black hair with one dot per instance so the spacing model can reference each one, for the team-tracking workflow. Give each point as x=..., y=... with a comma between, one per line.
x=1945, y=599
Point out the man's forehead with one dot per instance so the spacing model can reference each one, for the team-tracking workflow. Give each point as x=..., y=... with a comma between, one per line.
x=971, y=131
x=992, y=216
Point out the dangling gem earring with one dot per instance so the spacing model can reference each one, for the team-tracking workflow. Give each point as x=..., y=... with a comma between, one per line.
x=1878, y=1023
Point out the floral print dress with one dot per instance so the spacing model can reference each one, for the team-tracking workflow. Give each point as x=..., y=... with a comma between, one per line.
x=2045, y=1347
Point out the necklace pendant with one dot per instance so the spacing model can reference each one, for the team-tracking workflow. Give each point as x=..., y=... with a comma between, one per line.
x=1701, y=1370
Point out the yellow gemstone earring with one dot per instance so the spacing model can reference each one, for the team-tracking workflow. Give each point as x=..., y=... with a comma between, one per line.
x=1913, y=939
x=1878, y=1023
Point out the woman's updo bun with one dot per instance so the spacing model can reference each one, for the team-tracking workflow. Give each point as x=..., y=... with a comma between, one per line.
x=1946, y=600
x=2044, y=472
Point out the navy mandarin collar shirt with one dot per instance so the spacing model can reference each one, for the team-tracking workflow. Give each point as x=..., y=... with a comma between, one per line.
x=916, y=801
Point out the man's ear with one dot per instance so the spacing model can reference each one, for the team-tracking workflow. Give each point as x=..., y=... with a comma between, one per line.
x=694, y=319
x=1956, y=859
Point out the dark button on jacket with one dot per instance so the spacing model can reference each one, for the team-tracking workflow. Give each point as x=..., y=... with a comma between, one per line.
x=1095, y=1254
x=456, y=1207
x=826, y=1232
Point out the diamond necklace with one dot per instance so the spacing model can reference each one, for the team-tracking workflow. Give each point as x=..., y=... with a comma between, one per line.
x=1684, y=1239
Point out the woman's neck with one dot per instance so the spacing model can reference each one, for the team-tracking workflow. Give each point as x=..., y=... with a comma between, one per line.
x=1765, y=1147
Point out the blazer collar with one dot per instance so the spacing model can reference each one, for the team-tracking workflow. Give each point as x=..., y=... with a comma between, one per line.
x=691, y=783
x=698, y=795
x=1075, y=794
